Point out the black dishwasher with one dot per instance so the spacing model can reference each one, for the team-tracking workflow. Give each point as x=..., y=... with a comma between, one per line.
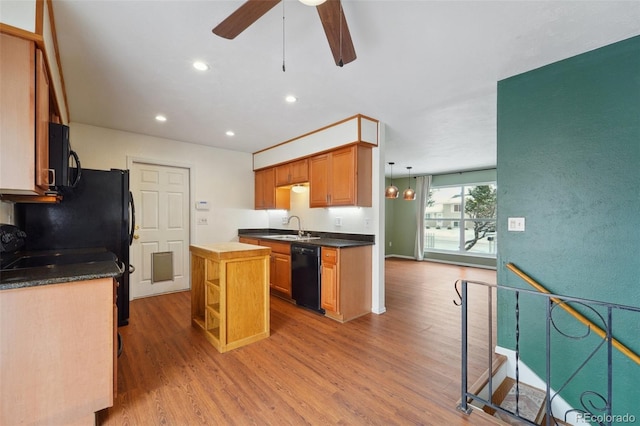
x=305, y=276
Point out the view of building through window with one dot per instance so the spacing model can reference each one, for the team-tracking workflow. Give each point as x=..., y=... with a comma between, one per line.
x=461, y=219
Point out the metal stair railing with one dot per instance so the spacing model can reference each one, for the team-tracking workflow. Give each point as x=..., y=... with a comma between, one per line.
x=595, y=405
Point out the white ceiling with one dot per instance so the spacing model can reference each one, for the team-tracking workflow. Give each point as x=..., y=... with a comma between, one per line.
x=427, y=69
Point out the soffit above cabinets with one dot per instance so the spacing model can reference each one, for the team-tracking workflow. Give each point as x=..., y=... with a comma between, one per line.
x=356, y=129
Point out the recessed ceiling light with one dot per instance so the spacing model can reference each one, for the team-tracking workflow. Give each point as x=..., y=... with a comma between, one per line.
x=200, y=66
x=230, y=133
x=291, y=99
x=161, y=118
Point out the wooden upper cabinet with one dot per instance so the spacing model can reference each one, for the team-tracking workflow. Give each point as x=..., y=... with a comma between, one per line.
x=264, y=197
x=42, y=122
x=24, y=107
x=319, y=180
x=341, y=177
x=292, y=173
x=267, y=196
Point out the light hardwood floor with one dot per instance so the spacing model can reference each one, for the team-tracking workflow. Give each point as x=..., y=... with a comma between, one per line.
x=398, y=368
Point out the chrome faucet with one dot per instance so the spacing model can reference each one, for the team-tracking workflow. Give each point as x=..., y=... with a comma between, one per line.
x=300, y=233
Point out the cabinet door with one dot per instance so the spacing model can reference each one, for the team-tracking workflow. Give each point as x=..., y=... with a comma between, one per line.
x=265, y=196
x=319, y=180
x=291, y=173
x=283, y=175
x=282, y=273
x=17, y=109
x=299, y=171
x=42, y=123
x=329, y=284
x=343, y=177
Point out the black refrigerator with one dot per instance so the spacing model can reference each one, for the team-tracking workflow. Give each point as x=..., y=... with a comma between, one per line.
x=97, y=213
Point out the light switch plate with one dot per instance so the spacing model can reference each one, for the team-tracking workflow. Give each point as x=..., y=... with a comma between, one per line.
x=515, y=224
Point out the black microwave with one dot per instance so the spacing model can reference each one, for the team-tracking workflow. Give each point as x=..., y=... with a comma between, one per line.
x=64, y=173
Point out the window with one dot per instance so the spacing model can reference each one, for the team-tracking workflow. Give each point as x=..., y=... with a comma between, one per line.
x=462, y=219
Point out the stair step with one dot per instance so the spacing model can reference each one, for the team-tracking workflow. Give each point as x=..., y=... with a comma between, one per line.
x=498, y=361
x=531, y=403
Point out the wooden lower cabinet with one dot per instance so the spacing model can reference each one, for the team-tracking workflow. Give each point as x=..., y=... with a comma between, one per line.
x=279, y=263
x=230, y=293
x=58, y=352
x=346, y=282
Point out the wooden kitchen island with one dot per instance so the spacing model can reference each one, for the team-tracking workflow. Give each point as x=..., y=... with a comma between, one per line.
x=230, y=293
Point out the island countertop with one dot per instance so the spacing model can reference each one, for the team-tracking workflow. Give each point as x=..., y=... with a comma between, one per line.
x=228, y=250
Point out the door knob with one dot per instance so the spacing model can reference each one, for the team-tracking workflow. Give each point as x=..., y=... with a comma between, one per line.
x=136, y=236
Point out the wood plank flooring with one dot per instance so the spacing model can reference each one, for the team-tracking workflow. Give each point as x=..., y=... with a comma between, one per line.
x=398, y=368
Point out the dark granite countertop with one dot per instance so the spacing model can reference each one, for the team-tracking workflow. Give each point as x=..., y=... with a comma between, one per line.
x=89, y=266
x=326, y=239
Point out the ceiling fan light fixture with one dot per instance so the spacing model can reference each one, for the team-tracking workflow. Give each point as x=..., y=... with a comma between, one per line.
x=312, y=2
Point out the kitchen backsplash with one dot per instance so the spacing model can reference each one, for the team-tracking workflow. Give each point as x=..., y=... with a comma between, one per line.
x=6, y=213
x=358, y=220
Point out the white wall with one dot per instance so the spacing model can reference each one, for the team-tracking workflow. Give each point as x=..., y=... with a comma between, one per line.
x=323, y=219
x=222, y=177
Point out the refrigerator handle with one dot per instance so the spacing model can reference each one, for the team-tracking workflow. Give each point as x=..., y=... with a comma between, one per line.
x=133, y=217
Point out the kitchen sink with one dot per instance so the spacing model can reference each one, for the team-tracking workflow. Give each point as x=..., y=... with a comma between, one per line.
x=289, y=237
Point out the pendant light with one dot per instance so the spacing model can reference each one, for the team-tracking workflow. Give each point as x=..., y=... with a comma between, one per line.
x=409, y=194
x=391, y=191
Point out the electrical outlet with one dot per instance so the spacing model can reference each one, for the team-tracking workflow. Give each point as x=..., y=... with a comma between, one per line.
x=284, y=220
x=367, y=222
x=338, y=221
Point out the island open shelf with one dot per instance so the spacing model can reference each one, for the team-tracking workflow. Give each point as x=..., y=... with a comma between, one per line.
x=230, y=293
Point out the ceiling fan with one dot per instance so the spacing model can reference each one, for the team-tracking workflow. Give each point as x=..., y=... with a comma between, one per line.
x=331, y=16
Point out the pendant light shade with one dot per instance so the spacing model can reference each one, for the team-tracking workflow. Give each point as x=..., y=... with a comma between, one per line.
x=312, y=2
x=391, y=191
x=409, y=194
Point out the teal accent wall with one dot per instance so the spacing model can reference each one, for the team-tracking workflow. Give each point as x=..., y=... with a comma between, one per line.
x=569, y=162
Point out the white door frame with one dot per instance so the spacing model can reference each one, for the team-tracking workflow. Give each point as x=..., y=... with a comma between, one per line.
x=191, y=168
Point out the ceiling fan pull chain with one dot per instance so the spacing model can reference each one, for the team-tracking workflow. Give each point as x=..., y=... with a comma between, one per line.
x=283, y=67
x=340, y=63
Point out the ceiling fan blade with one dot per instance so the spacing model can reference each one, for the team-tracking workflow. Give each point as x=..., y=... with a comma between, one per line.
x=337, y=31
x=243, y=17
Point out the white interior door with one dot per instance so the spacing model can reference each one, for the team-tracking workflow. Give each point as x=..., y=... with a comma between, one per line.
x=161, y=194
